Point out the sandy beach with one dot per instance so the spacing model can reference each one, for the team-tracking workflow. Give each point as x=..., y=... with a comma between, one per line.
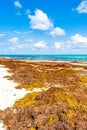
x=48, y=95
x=8, y=93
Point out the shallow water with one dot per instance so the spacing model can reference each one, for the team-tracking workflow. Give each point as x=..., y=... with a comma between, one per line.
x=48, y=57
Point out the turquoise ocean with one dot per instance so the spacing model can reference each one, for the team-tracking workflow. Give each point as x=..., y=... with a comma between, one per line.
x=48, y=57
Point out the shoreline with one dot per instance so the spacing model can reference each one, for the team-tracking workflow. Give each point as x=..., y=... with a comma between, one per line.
x=53, y=90
x=8, y=93
x=77, y=63
x=47, y=58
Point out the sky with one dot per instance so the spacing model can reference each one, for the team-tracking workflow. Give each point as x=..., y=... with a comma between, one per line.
x=43, y=27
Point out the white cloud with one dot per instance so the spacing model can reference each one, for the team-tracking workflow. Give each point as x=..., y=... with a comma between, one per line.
x=77, y=38
x=40, y=45
x=57, y=32
x=2, y=35
x=27, y=12
x=13, y=40
x=17, y=32
x=29, y=40
x=58, y=45
x=11, y=48
x=18, y=4
x=14, y=48
x=82, y=8
x=21, y=46
x=18, y=13
x=40, y=20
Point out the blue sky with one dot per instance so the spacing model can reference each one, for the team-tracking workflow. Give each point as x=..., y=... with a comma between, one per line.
x=43, y=27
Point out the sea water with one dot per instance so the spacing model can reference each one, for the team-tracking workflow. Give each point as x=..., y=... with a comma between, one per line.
x=48, y=57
